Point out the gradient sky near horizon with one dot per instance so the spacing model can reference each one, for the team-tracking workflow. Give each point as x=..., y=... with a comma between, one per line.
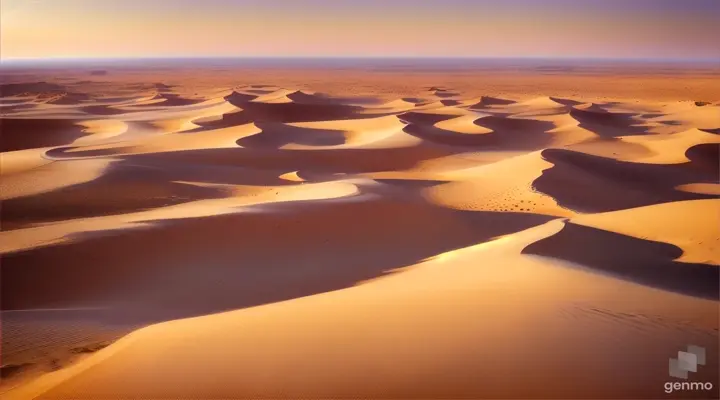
x=668, y=29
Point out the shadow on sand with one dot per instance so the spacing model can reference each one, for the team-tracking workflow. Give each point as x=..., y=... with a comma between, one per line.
x=589, y=183
x=188, y=267
x=642, y=261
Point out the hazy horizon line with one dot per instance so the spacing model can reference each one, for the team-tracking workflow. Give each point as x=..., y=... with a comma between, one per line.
x=359, y=57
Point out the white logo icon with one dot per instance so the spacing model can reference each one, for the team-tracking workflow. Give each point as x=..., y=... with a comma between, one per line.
x=687, y=361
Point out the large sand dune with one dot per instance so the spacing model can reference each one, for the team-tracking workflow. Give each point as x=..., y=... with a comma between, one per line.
x=221, y=238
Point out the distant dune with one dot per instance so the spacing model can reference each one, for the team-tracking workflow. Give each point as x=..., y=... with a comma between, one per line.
x=345, y=234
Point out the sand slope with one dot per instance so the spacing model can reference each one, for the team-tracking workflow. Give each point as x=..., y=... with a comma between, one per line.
x=429, y=337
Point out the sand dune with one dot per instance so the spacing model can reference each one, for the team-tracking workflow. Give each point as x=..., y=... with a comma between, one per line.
x=115, y=191
x=465, y=124
x=324, y=134
x=431, y=323
x=674, y=149
x=486, y=101
x=14, y=162
x=501, y=186
x=542, y=105
x=498, y=132
x=103, y=110
x=285, y=110
x=606, y=123
x=690, y=225
x=28, y=133
x=174, y=100
x=238, y=98
x=70, y=99
x=25, y=88
x=673, y=246
x=382, y=237
x=426, y=118
x=595, y=184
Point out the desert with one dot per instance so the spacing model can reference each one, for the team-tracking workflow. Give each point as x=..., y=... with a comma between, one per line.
x=211, y=229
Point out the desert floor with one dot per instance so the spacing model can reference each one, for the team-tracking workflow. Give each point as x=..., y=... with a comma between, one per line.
x=325, y=232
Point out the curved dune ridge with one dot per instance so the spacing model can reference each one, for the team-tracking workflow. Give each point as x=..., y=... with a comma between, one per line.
x=673, y=246
x=487, y=101
x=193, y=240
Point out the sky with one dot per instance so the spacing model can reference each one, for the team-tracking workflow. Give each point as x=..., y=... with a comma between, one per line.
x=666, y=29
